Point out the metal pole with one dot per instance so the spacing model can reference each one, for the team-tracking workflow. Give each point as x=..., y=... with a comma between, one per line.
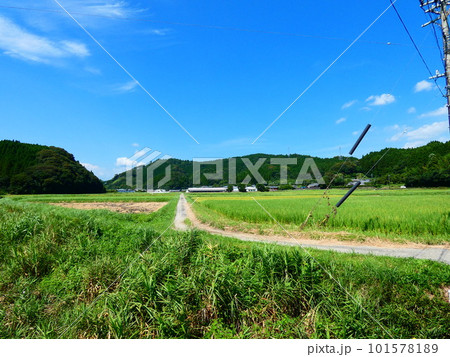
x=446, y=39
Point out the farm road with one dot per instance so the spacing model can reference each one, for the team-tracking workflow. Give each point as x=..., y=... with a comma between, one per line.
x=401, y=251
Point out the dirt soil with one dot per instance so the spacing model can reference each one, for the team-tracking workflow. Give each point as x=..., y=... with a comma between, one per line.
x=121, y=207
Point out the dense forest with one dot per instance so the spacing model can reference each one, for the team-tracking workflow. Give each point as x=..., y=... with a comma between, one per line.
x=29, y=169
x=425, y=166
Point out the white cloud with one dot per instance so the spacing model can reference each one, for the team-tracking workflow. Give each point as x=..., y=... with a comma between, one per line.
x=93, y=70
x=382, y=99
x=19, y=43
x=423, y=86
x=75, y=48
x=126, y=87
x=158, y=32
x=108, y=8
x=135, y=145
x=349, y=104
x=355, y=133
x=435, y=113
x=125, y=161
x=423, y=134
x=90, y=167
x=340, y=120
x=97, y=170
x=412, y=110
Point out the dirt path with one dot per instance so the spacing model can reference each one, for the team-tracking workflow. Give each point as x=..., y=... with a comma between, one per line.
x=419, y=251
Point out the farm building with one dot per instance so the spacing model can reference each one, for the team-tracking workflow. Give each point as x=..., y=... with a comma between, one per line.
x=354, y=181
x=206, y=189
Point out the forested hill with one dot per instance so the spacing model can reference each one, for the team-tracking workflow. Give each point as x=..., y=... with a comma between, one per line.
x=426, y=166
x=29, y=168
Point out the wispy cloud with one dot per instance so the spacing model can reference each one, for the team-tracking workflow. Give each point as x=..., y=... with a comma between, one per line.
x=382, y=99
x=135, y=145
x=90, y=167
x=421, y=135
x=126, y=87
x=340, y=120
x=412, y=110
x=93, y=70
x=423, y=86
x=349, y=104
x=158, y=32
x=435, y=113
x=20, y=43
x=108, y=8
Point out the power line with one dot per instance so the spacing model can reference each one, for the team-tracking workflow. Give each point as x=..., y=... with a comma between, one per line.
x=126, y=72
x=433, y=27
x=417, y=48
x=213, y=27
x=322, y=74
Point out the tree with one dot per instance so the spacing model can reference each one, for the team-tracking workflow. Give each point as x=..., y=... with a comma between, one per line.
x=286, y=187
x=261, y=188
x=230, y=188
x=241, y=188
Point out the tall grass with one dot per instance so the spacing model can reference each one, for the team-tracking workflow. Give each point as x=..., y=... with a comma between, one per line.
x=54, y=262
x=419, y=216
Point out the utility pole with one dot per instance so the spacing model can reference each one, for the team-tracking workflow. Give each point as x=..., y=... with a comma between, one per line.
x=440, y=9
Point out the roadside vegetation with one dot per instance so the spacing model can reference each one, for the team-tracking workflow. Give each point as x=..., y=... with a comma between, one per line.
x=412, y=215
x=55, y=261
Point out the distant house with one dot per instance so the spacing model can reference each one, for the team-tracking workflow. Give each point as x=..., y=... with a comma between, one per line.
x=313, y=186
x=251, y=189
x=124, y=190
x=354, y=181
x=206, y=189
x=272, y=188
x=157, y=191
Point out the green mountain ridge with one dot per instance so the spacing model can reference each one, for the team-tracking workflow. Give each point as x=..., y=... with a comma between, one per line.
x=33, y=169
x=425, y=166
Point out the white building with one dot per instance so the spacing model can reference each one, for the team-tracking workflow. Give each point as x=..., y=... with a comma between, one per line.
x=206, y=189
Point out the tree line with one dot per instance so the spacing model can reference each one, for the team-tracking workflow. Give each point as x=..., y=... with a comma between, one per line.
x=425, y=166
x=34, y=169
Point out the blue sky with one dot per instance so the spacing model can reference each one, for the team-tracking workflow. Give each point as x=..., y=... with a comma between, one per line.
x=223, y=69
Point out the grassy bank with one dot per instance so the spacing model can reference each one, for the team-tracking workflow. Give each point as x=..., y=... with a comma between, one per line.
x=421, y=216
x=54, y=262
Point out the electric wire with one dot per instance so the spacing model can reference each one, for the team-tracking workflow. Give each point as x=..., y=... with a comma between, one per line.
x=322, y=74
x=438, y=43
x=213, y=27
x=126, y=72
x=417, y=48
